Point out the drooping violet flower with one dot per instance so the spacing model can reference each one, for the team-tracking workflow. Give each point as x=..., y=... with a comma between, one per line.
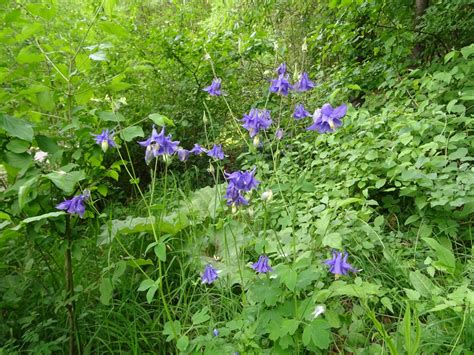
x=281, y=85
x=338, y=265
x=305, y=83
x=243, y=180
x=262, y=265
x=300, y=112
x=75, y=205
x=281, y=70
x=215, y=88
x=327, y=119
x=279, y=134
x=183, y=154
x=158, y=144
x=197, y=149
x=105, y=139
x=234, y=196
x=209, y=275
x=256, y=120
x=216, y=152
x=215, y=332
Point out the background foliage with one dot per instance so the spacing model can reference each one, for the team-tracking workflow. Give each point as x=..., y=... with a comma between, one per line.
x=393, y=186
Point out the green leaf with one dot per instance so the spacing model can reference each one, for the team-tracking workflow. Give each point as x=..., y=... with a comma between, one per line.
x=423, y=284
x=16, y=127
x=146, y=284
x=446, y=259
x=172, y=329
x=113, y=29
x=160, y=251
x=289, y=278
x=160, y=120
x=38, y=218
x=109, y=7
x=467, y=51
x=317, y=333
x=47, y=144
x=379, y=183
x=458, y=154
x=131, y=132
x=24, y=191
x=111, y=116
x=18, y=146
x=333, y=240
x=46, y=12
x=29, y=55
x=151, y=293
x=182, y=343
x=66, y=181
x=201, y=317
x=106, y=289
x=289, y=326
x=443, y=76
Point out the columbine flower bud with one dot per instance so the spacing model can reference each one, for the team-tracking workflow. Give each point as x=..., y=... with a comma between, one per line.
x=267, y=195
x=251, y=212
x=104, y=145
x=167, y=158
x=211, y=169
x=234, y=208
x=256, y=141
x=304, y=47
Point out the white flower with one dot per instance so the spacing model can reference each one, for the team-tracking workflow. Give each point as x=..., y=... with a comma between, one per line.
x=320, y=309
x=40, y=156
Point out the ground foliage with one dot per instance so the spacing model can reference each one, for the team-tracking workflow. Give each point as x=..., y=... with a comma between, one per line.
x=394, y=186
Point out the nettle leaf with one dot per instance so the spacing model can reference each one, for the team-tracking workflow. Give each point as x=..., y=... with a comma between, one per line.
x=17, y=127
x=446, y=260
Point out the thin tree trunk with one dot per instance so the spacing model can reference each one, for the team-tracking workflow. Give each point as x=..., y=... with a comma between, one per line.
x=420, y=8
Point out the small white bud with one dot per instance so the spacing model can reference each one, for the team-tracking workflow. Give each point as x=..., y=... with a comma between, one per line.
x=267, y=195
x=251, y=212
x=211, y=168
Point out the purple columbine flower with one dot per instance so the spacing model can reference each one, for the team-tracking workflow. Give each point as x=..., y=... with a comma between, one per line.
x=279, y=133
x=215, y=332
x=281, y=85
x=243, y=180
x=304, y=84
x=105, y=139
x=183, y=154
x=338, y=265
x=300, y=112
x=215, y=88
x=216, y=152
x=327, y=119
x=75, y=205
x=197, y=149
x=234, y=196
x=209, y=275
x=262, y=265
x=256, y=120
x=281, y=70
x=158, y=144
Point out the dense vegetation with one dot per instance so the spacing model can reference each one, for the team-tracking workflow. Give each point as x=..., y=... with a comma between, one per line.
x=352, y=237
